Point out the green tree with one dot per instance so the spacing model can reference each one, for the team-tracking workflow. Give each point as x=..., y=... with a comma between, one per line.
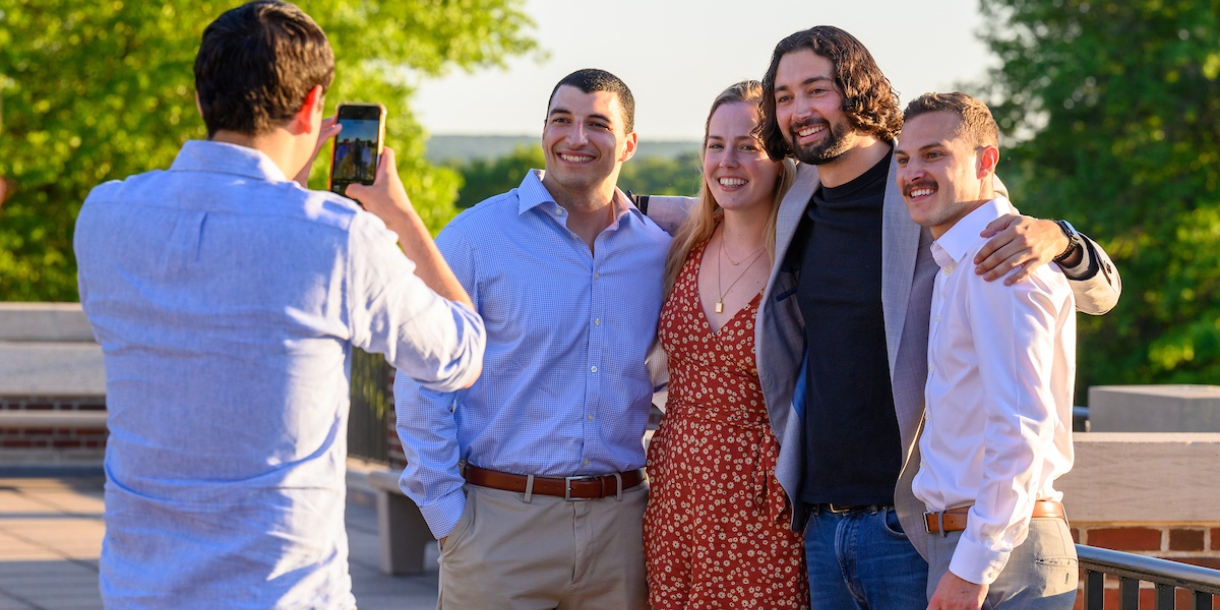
x=98, y=90
x=1116, y=110
x=681, y=175
x=483, y=178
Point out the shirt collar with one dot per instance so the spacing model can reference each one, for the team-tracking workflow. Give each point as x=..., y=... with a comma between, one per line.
x=221, y=158
x=956, y=243
x=532, y=193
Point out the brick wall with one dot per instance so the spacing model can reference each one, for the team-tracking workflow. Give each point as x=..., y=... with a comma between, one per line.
x=1192, y=543
x=52, y=445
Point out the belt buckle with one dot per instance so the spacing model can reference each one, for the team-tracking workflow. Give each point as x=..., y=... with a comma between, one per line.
x=837, y=510
x=567, y=486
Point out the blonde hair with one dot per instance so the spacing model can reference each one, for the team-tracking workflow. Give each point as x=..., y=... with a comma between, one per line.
x=701, y=223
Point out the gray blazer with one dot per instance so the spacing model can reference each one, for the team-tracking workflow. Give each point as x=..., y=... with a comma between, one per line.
x=906, y=296
x=906, y=299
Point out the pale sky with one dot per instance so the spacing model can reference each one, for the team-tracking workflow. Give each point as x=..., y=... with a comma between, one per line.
x=677, y=55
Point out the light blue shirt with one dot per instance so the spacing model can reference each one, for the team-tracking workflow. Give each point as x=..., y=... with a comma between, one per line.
x=226, y=299
x=564, y=390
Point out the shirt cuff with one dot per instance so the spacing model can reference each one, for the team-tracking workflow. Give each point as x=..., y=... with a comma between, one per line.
x=444, y=514
x=976, y=563
x=1088, y=265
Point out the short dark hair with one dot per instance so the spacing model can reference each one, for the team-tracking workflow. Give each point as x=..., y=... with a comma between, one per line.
x=870, y=102
x=977, y=123
x=591, y=80
x=256, y=64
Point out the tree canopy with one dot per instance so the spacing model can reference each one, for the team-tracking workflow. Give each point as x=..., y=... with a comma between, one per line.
x=94, y=90
x=1115, y=108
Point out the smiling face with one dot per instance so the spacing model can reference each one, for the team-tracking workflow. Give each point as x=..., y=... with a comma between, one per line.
x=942, y=173
x=809, y=108
x=584, y=141
x=735, y=166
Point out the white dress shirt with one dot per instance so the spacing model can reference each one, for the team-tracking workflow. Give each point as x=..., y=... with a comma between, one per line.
x=1001, y=369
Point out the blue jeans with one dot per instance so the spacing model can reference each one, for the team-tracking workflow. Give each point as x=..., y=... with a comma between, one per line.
x=862, y=560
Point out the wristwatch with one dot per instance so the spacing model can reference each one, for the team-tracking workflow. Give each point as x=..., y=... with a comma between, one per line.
x=1073, y=237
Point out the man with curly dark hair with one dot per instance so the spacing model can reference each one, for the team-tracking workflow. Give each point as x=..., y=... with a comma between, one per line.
x=852, y=288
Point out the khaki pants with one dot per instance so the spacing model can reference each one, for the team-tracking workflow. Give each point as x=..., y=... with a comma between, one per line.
x=1041, y=573
x=504, y=554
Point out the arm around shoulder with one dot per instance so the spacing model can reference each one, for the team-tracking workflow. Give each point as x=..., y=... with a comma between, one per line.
x=1094, y=280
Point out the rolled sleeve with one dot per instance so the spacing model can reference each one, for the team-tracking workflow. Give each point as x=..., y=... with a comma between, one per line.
x=437, y=342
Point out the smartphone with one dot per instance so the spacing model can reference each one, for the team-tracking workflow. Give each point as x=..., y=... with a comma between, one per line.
x=357, y=148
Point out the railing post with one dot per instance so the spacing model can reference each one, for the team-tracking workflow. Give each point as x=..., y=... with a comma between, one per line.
x=1203, y=601
x=1128, y=594
x=1164, y=597
x=1094, y=590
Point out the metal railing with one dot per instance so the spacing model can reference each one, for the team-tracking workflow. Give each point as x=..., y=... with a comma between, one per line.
x=371, y=406
x=1167, y=576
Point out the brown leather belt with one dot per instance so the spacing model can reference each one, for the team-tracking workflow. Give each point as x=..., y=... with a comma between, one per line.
x=568, y=488
x=954, y=519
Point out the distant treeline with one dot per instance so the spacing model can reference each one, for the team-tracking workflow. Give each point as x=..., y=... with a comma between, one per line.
x=652, y=175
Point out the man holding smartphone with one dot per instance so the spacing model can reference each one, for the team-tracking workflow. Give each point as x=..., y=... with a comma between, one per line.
x=227, y=299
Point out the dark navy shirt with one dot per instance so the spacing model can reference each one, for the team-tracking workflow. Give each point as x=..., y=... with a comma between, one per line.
x=853, y=447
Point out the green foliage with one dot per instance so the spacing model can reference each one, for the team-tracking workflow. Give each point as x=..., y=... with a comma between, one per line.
x=1118, y=107
x=485, y=178
x=98, y=90
x=663, y=176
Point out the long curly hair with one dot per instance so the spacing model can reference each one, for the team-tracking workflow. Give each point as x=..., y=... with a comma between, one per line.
x=706, y=213
x=869, y=101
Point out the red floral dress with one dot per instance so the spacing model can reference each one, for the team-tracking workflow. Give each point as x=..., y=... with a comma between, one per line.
x=716, y=530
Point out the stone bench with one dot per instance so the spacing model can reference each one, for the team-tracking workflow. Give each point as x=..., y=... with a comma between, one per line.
x=401, y=527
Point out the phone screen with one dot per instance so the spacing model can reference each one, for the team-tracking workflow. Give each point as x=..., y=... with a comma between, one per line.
x=356, y=154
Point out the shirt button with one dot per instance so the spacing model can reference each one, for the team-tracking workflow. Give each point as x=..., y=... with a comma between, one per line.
x=597, y=276
x=938, y=318
x=592, y=369
x=930, y=368
x=597, y=321
x=586, y=462
x=590, y=417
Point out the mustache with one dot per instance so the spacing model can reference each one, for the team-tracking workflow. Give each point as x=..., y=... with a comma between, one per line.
x=918, y=184
x=808, y=123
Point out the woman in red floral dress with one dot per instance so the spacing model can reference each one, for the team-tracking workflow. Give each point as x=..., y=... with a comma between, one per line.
x=716, y=530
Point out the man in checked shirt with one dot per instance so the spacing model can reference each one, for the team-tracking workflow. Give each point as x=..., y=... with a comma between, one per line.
x=532, y=478
x=999, y=391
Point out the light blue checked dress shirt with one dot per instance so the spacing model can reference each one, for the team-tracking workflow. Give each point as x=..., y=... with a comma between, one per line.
x=564, y=390
x=226, y=299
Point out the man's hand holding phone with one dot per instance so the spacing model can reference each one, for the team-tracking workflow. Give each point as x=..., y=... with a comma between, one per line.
x=330, y=129
x=386, y=198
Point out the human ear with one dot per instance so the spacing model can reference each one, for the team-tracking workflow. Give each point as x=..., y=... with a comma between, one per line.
x=988, y=158
x=629, y=150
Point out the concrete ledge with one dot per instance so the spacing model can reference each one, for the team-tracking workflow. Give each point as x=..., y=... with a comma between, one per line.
x=53, y=419
x=1142, y=478
x=1154, y=408
x=51, y=369
x=44, y=322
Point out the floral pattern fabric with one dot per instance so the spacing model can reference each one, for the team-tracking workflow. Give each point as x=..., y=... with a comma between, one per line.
x=716, y=530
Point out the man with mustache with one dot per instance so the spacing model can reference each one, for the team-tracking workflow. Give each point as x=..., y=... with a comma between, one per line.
x=842, y=333
x=858, y=273
x=998, y=429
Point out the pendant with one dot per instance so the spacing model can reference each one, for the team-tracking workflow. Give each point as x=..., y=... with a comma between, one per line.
x=720, y=306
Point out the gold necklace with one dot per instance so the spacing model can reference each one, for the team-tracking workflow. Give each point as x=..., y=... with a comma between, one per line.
x=725, y=252
x=720, y=301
